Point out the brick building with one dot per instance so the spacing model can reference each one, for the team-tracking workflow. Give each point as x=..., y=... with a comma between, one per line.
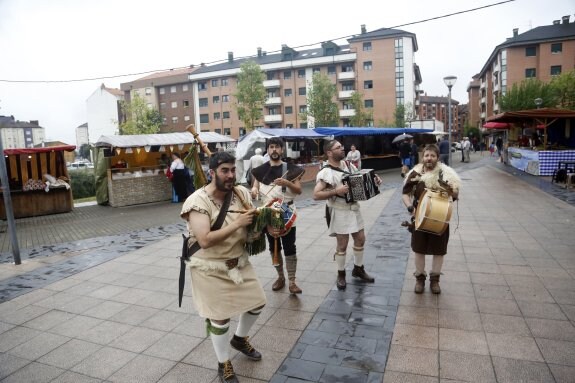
x=437, y=108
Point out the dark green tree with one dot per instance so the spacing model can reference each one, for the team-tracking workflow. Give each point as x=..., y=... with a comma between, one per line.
x=320, y=102
x=563, y=89
x=250, y=95
x=140, y=118
x=399, y=116
x=362, y=115
x=84, y=151
x=522, y=96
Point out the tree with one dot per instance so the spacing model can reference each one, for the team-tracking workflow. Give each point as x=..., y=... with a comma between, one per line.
x=320, y=104
x=251, y=94
x=84, y=151
x=522, y=96
x=563, y=89
x=399, y=116
x=362, y=116
x=140, y=118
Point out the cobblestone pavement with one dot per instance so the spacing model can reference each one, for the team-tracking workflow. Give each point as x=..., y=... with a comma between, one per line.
x=103, y=307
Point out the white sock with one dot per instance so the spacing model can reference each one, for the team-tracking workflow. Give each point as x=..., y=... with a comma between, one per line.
x=340, y=260
x=437, y=264
x=246, y=322
x=221, y=343
x=358, y=256
x=419, y=264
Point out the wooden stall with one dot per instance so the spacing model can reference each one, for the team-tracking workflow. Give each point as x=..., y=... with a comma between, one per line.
x=38, y=181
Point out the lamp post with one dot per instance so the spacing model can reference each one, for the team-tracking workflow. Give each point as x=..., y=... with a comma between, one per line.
x=449, y=81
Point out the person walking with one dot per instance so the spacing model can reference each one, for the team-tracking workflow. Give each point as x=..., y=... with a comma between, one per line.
x=179, y=182
x=344, y=219
x=499, y=146
x=431, y=174
x=354, y=156
x=414, y=158
x=280, y=181
x=444, y=150
x=405, y=156
x=466, y=149
x=256, y=160
x=224, y=283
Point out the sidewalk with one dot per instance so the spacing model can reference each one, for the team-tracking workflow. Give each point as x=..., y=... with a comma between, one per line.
x=506, y=312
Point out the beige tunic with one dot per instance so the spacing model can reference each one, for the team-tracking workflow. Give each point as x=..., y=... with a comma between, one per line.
x=219, y=293
x=345, y=217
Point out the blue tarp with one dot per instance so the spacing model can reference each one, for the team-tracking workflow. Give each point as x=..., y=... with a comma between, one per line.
x=288, y=133
x=336, y=132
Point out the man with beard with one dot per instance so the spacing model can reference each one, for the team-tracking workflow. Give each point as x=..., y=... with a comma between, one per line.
x=344, y=218
x=431, y=174
x=277, y=180
x=224, y=283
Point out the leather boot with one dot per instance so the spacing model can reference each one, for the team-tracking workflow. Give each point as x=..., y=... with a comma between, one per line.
x=434, y=283
x=226, y=373
x=281, y=281
x=359, y=272
x=341, y=283
x=419, y=283
x=291, y=266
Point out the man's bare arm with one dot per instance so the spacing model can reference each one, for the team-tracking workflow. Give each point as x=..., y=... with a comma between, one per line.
x=200, y=226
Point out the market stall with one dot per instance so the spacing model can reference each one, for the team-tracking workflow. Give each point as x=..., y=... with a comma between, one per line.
x=537, y=140
x=130, y=169
x=39, y=181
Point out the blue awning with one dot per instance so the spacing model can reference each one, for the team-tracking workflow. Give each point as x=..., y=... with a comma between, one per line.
x=337, y=132
x=291, y=133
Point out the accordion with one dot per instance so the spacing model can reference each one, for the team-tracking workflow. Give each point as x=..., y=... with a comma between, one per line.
x=362, y=185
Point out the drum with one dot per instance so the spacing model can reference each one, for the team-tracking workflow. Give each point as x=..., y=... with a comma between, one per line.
x=288, y=214
x=433, y=212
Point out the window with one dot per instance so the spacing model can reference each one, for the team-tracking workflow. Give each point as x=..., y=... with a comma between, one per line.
x=218, y=131
x=287, y=74
x=348, y=85
x=530, y=51
x=289, y=110
x=214, y=83
x=301, y=73
x=556, y=48
x=174, y=104
x=303, y=125
x=272, y=111
x=186, y=103
x=164, y=120
x=148, y=91
x=162, y=90
x=216, y=99
x=162, y=105
x=224, y=82
x=287, y=92
x=242, y=131
x=227, y=132
x=347, y=68
x=185, y=88
x=367, y=65
x=174, y=120
x=225, y=98
x=366, y=46
x=226, y=115
x=330, y=69
x=555, y=70
x=173, y=89
x=301, y=91
x=289, y=126
x=186, y=118
x=270, y=75
x=530, y=72
x=204, y=118
x=368, y=84
x=329, y=51
x=217, y=116
x=203, y=102
x=302, y=108
x=202, y=86
x=368, y=103
x=316, y=69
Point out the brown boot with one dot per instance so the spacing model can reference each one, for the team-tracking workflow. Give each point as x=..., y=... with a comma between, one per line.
x=291, y=266
x=419, y=283
x=281, y=281
x=341, y=283
x=434, y=283
x=359, y=272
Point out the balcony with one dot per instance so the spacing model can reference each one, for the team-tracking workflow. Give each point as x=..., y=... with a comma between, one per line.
x=483, y=100
x=344, y=113
x=344, y=76
x=482, y=86
x=496, y=87
x=272, y=118
x=274, y=101
x=346, y=93
x=272, y=84
x=482, y=115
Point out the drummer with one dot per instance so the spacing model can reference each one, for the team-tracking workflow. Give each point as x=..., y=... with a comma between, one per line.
x=431, y=174
x=279, y=180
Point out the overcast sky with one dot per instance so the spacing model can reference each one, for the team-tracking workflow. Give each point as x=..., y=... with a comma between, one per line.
x=77, y=39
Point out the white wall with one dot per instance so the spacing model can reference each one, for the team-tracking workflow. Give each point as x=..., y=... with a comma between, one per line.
x=408, y=72
x=14, y=137
x=102, y=111
x=82, y=136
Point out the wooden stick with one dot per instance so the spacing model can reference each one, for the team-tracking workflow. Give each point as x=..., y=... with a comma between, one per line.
x=204, y=147
x=272, y=188
x=276, y=259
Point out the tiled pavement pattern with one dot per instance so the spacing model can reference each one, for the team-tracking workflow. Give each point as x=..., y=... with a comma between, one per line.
x=506, y=312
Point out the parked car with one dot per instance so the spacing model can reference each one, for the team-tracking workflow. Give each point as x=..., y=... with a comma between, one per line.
x=80, y=165
x=455, y=146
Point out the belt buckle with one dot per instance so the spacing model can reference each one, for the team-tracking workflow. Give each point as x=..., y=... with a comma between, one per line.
x=232, y=263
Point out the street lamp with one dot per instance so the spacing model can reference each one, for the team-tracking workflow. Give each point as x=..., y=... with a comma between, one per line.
x=449, y=81
x=538, y=101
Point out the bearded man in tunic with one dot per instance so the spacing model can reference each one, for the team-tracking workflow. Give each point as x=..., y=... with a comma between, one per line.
x=280, y=181
x=344, y=218
x=224, y=283
x=432, y=175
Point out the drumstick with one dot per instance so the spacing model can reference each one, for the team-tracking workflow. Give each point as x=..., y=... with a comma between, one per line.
x=272, y=188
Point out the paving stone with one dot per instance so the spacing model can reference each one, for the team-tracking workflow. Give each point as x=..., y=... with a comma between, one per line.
x=513, y=346
x=400, y=377
x=504, y=324
x=415, y=336
x=34, y=372
x=143, y=369
x=365, y=361
x=562, y=374
x=15, y=337
x=557, y=351
x=73, y=377
x=173, y=346
x=69, y=354
x=343, y=374
x=356, y=344
x=466, y=367
x=38, y=346
x=511, y=370
x=419, y=361
x=182, y=373
x=473, y=342
x=10, y=363
x=498, y=306
x=137, y=339
x=104, y=362
x=551, y=329
x=301, y=369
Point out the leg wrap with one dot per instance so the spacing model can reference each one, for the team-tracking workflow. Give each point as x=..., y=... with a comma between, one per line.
x=246, y=322
x=216, y=329
x=358, y=256
x=339, y=257
x=219, y=337
x=291, y=266
x=437, y=264
x=419, y=264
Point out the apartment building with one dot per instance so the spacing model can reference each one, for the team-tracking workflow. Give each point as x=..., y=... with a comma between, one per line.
x=437, y=108
x=541, y=53
x=82, y=136
x=473, y=110
x=379, y=64
x=20, y=134
x=104, y=112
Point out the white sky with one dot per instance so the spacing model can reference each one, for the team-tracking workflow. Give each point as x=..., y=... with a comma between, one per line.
x=73, y=39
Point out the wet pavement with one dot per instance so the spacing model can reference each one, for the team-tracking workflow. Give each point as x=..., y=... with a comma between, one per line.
x=103, y=307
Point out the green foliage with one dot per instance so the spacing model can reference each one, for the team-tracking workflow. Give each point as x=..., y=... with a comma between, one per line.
x=83, y=183
x=84, y=151
x=563, y=88
x=471, y=131
x=399, y=116
x=362, y=115
x=251, y=94
x=320, y=104
x=522, y=96
x=140, y=119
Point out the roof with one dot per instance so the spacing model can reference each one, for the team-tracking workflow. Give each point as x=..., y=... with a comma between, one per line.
x=336, y=132
x=114, y=91
x=247, y=142
x=68, y=148
x=141, y=140
x=532, y=114
x=385, y=33
x=436, y=100
x=10, y=122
